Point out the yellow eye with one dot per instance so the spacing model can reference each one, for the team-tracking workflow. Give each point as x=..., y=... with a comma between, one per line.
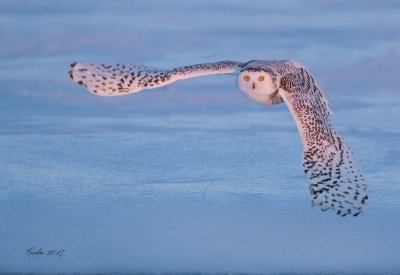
x=261, y=78
x=246, y=78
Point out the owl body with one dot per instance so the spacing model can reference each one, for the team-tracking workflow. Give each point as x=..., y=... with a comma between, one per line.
x=335, y=179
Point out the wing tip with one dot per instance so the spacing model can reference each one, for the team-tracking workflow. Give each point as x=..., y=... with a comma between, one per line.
x=70, y=73
x=340, y=210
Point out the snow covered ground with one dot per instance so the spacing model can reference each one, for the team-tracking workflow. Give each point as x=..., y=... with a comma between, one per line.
x=193, y=177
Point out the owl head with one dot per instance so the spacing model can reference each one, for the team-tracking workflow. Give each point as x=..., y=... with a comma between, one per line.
x=259, y=85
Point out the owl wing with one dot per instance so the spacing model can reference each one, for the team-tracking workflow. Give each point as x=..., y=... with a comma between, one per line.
x=335, y=179
x=120, y=79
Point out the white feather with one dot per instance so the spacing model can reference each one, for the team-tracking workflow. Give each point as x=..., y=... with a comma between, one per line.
x=335, y=179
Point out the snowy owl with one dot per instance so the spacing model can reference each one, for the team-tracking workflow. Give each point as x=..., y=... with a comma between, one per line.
x=335, y=180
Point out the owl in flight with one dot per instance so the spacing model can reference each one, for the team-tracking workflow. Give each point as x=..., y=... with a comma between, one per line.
x=335, y=180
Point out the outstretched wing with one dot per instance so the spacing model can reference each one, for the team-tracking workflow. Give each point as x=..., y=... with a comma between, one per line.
x=335, y=179
x=120, y=79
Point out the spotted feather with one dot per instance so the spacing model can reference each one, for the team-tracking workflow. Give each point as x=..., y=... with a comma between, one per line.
x=335, y=179
x=120, y=79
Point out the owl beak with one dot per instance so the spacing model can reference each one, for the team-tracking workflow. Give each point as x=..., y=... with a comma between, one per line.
x=254, y=85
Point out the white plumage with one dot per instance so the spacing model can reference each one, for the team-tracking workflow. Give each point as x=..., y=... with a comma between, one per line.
x=335, y=179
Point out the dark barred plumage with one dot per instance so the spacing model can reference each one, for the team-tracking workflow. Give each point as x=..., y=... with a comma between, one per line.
x=335, y=179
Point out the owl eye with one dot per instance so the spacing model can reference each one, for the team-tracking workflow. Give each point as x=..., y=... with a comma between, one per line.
x=261, y=78
x=246, y=78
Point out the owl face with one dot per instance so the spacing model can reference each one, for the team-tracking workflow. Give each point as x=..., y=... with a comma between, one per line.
x=258, y=86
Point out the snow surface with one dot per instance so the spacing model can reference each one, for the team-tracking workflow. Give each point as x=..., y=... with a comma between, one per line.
x=193, y=177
